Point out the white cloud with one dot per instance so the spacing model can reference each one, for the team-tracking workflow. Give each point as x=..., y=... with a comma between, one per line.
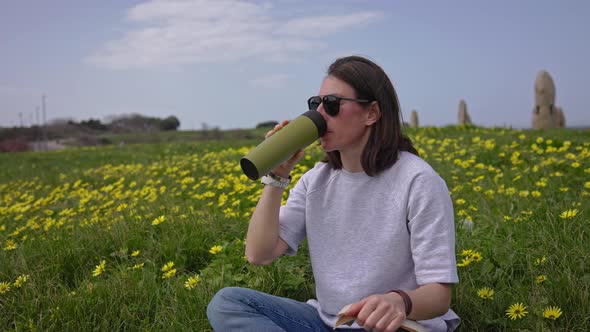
x=270, y=81
x=176, y=32
x=320, y=26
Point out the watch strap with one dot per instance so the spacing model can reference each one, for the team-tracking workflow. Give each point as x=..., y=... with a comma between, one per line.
x=276, y=180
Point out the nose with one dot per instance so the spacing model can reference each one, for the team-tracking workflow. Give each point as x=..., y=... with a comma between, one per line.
x=321, y=109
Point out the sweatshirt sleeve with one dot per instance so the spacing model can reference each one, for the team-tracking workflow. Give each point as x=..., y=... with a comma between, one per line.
x=292, y=217
x=432, y=230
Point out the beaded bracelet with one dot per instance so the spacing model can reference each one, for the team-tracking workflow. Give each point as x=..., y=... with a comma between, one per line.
x=406, y=298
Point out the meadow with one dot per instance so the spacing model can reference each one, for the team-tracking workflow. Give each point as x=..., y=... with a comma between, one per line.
x=139, y=237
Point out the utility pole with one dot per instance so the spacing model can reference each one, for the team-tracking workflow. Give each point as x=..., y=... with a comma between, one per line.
x=38, y=134
x=20, y=115
x=44, y=131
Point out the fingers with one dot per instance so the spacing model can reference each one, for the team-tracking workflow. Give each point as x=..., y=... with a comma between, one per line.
x=389, y=322
x=395, y=324
x=363, y=316
x=352, y=309
x=276, y=128
x=296, y=156
x=380, y=315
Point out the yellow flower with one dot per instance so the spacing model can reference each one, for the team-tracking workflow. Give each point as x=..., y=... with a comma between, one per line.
x=167, y=266
x=135, y=253
x=467, y=252
x=464, y=262
x=137, y=266
x=486, y=293
x=536, y=194
x=568, y=214
x=158, y=220
x=10, y=245
x=191, y=282
x=215, y=250
x=476, y=256
x=4, y=287
x=460, y=201
x=99, y=269
x=20, y=280
x=169, y=274
x=541, y=279
x=517, y=310
x=587, y=185
x=552, y=312
x=540, y=261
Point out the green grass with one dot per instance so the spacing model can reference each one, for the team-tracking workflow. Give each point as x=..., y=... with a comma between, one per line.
x=62, y=212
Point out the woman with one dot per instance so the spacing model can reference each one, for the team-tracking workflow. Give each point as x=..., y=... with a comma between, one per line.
x=378, y=220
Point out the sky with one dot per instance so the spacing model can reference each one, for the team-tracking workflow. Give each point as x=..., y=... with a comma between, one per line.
x=233, y=64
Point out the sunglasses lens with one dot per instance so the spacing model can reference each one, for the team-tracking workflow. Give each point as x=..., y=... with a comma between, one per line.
x=314, y=102
x=331, y=105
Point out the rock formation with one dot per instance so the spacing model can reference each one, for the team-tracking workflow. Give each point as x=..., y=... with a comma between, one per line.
x=545, y=114
x=464, y=118
x=414, y=120
x=560, y=117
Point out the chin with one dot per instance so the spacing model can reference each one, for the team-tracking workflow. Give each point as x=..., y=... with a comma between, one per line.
x=326, y=146
x=329, y=149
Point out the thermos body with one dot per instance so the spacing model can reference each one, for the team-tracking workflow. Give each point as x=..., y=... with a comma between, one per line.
x=297, y=134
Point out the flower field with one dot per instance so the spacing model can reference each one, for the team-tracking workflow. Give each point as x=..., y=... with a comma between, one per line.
x=140, y=237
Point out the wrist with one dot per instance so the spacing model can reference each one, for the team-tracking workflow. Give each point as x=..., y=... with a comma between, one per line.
x=407, y=301
x=283, y=174
x=275, y=180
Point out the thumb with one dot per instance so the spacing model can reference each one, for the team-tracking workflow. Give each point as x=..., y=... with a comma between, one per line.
x=296, y=156
x=353, y=309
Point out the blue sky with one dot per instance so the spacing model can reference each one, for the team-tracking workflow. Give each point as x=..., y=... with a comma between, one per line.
x=233, y=64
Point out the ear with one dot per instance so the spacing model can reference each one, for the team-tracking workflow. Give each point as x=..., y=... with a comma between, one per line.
x=373, y=114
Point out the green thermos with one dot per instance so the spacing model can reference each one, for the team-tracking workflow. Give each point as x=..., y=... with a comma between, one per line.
x=297, y=134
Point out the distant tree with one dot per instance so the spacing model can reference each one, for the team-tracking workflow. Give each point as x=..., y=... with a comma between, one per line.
x=169, y=123
x=61, y=121
x=267, y=124
x=94, y=124
x=134, y=122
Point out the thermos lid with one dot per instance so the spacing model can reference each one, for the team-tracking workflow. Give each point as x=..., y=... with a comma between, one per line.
x=318, y=120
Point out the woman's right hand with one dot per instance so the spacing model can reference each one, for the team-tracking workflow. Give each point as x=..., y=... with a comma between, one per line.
x=285, y=168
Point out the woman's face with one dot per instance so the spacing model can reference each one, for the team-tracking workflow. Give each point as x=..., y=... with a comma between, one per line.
x=349, y=129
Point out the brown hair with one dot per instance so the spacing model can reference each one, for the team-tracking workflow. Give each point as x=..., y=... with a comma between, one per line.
x=386, y=139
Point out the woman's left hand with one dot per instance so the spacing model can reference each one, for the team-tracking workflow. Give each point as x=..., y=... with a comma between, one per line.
x=381, y=313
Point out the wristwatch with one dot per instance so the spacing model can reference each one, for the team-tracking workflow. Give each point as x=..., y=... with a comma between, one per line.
x=276, y=181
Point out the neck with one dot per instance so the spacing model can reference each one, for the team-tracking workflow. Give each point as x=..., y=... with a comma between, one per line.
x=351, y=157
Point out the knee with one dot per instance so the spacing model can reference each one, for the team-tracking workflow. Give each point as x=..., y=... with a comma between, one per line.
x=224, y=301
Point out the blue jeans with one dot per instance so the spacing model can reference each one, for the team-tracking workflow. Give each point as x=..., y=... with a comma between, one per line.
x=243, y=309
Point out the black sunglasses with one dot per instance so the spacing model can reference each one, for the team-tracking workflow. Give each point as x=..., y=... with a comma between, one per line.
x=331, y=103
